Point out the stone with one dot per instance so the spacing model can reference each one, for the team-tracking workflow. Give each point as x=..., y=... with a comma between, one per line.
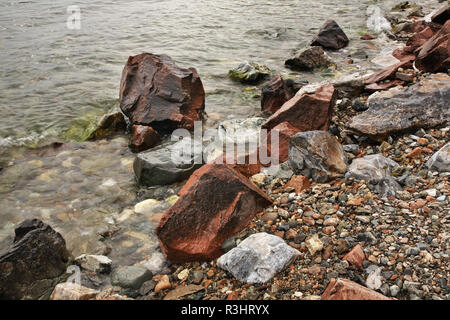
x=111, y=122
x=215, y=196
x=376, y=170
x=314, y=244
x=434, y=55
x=258, y=258
x=394, y=290
x=94, y=263
x=130, y=277
x=298, y=183
x=276, y=92
x=317, y=155
x=72, y=291
x=143, y=138
x=306, y=111
x=285, y=131
x=343, y=289
x=422, y=105
x=249, y=72
x=167, y=163
x=163, y=284
x=387, y=73
x=331, y=37
x=34, y=264
x=309, y=59
x=440, y=161
x=374, y=281
x=442, y=15
x=182, y=291
x=355, y=257
x=157, y=93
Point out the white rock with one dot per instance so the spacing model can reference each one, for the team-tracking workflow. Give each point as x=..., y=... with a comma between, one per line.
x=374, y=279
x=156, y=263
x=314, y=244
x=146, y=206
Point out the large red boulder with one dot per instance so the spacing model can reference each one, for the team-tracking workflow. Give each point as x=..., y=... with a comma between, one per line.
x=216, y=203
x=306, y=111
x=157, y=93
x=343, y=289
x=331, y=37
x=434, y=55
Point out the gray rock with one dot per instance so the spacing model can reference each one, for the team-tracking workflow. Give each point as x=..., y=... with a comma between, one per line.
x=258, y=258
x=249, y=72
x=376, y=170
x=351, y=148
x=422, y=105
x=157, y=166
x=229, y=244
x=130, y=277
x=94, y=263
x=440, y=161
x=317, y=155
x=309, y=59
x=394, y=290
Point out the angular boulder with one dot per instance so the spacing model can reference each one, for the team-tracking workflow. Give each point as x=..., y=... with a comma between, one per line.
x=34, y=264
x=317, y=155
x=249, y=72
x=331, y=37
x=215, y=203
x=376, y=170
x=422, y=105
x=143, y=138
x=276, y=92
x=434, y=55
x=157, y=93
x=258, y=258
x=306, y=111
x=440, y=161
x=160, y=166
x=309, y=59
x=343, y=289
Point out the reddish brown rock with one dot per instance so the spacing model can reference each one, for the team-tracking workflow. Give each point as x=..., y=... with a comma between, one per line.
x=388, y=72
x=343, y=289
x=331, y=37
x=248, y=165
x=434, y=55
x=442, y=15
x=284, y=131
x=419, y=39
x=143, y=138
x=307, y=111
x=367, y=37
x=299, y=183
x=275, y=93
x=157, y=93
x=215, y=203
x=355, y=257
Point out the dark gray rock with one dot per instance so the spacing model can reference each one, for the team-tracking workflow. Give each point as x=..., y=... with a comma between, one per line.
x=130, y=277
x=309, y=59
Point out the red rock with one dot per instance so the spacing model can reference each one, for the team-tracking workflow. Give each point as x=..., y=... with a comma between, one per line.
x=417, y=152
x=143, y=138
x=368, y=37
x=306, y=112
x=419, y=39
x=285, y=131
x=274, y=94
x=434, y=55
x=387, y=73
x=343, y=289
x=331, y=37
x=215, y=203
x=442, y=15
x=404, y=54
x=356, y=257
x=245, y=165
x=157, y=93
x=299, y=183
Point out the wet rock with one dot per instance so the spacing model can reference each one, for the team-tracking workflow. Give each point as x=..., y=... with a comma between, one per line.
x=422, y=105
x=331, y=37
x=440, y=161
x=276, y=92
x=258, y=258
x=157, y=93
x=72, y=291
x=214, y=196
x=356, y=257
x=161, y=166
x=34, y=264
x=130, y=277
x=143, y=138
x=434, y=55
x=94, y=263
x=309, y=59
x=317, y=155
x=111, y=122
x=375, y=169
x=343, y=289
x=307, y=111
x=249, y=72
x=442, y=15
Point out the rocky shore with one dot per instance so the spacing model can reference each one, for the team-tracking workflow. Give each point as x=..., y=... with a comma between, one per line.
x=357, y=209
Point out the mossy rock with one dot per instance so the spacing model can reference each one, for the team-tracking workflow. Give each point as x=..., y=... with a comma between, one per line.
x=249, y=72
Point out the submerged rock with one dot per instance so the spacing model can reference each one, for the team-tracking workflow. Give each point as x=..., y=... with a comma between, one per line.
x=258, y=258
x=440, y=161
x=214, y=204
x=397, y=110
x=249, y=72
x=94, y=263
x=376, y=170
x=34, y=264
x=317, y=155
x=309, y=59
x=331, y=37
x=157, y=93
